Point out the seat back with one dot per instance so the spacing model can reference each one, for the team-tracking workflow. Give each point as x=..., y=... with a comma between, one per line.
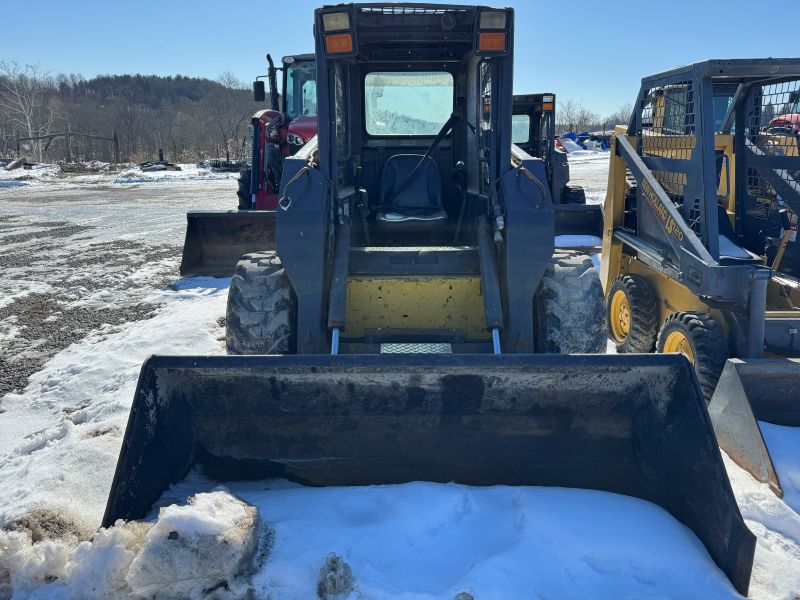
x=423, y=191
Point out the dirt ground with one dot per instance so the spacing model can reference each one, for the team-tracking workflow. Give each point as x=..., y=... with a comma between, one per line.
x=73, y=260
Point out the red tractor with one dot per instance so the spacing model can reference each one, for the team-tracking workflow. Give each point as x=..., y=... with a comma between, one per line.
x=279, y=131
x=216, y=240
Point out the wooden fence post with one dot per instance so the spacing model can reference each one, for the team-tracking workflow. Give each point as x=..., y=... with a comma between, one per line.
x=68, y=144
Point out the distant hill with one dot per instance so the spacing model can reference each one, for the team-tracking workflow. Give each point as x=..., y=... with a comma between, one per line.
x=149, y=90
x=191, y=118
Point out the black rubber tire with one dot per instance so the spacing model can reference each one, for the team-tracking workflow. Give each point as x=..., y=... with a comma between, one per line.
x=262, y=308
x=569, y=307
x=573, y=194
x=643, y=306
x=245, y=197
x=708, y=344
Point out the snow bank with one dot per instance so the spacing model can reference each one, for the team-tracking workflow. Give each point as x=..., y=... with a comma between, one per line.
x=192, y=548
x=100, y=173
x=206, y=546
x=36, y=175
x=187, y=173
x=434, y=541
x=60, y=437
x=776, y=567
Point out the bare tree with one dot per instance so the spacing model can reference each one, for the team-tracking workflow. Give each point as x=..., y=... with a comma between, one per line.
x=131, y=120
x=571, y=115
x=26, y=100
x=190, y=118
x=566, y=114
x=229, y=106
x=621, y=117
x=586, y=119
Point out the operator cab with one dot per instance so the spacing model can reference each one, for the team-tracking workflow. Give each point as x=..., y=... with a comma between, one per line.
x=415, y=121
x=408, y=221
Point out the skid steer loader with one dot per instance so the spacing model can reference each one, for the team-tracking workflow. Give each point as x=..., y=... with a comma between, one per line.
x=216, y=240
x=577, y=225
x=413, y=321
x=699, y=249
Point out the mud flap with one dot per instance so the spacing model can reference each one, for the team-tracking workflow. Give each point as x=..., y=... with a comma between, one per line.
x=748, y=392
x=633, y=425
x=216, y=240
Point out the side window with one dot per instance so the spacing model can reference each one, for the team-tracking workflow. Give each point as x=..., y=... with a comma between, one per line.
x=310, y=98
x=520, y=129
x=545, y=125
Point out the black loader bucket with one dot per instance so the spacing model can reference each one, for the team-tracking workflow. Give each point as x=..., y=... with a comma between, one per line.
x=751, y=391
x=216, y=240
x=577, y=224
x=634, y=425
x=578, y=219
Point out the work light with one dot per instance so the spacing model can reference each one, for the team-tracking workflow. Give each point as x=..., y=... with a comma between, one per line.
x=337, y=21
x=493, y=19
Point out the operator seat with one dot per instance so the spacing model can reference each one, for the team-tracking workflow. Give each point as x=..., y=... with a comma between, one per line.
x=415, y=205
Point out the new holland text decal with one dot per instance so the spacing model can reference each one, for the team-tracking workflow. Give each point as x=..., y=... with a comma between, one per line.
x=669, y=224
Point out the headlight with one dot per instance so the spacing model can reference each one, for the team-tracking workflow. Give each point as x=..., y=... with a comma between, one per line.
x=295, y=140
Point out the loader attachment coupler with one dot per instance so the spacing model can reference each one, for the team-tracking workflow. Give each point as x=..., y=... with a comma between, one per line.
x=749, y=391
x=216, y=240
x=633, y=425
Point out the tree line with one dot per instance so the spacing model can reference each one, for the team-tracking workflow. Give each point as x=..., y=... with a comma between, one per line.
x=190, y=118
x=571, y=115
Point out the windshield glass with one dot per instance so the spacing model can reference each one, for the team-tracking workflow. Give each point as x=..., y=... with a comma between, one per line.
x=410, y=103
x=301, y=89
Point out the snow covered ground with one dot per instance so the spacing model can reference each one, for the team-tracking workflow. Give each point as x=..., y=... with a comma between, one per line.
x=590, y=169
x=51, y=175
x=61, y=429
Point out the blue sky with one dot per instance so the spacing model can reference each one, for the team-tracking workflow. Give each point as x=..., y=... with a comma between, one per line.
x=596, y=51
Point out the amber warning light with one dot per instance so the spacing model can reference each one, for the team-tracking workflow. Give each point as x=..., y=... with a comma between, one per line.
x=492, y=42
x=339, y=43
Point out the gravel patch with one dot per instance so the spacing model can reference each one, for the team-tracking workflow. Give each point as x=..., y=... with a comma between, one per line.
x=45, y=327
x=77, y=260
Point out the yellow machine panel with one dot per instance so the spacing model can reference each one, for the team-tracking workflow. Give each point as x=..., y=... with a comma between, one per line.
x=404, y=303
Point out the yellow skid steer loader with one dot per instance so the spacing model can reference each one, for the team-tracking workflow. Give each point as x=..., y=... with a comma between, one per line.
x=700, y=254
